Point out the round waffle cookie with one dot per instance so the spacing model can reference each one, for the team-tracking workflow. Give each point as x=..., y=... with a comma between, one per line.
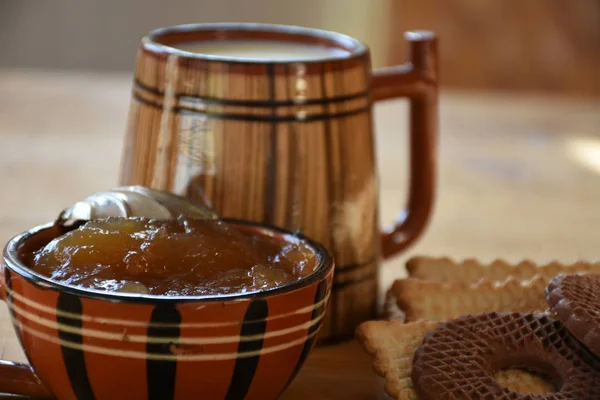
x=458, y=360
x=575, y=301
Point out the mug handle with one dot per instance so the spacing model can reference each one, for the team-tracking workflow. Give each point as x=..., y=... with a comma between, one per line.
x=18, y=378
x=418, y=80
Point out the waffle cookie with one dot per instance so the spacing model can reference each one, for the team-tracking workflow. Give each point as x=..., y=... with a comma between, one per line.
x=471, y=271
x=575, y=301
x=458, y=359
x=393, y=345
x=427, y=300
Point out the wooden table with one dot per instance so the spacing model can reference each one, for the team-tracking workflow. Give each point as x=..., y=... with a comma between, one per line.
x=519, y=178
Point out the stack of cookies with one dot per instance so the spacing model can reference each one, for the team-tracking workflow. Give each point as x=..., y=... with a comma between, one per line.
x=496, y=331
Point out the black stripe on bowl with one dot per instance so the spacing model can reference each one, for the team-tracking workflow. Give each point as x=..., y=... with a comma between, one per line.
x=161, y=374
x=319, y=296
x=74, y=359
x=245, y=367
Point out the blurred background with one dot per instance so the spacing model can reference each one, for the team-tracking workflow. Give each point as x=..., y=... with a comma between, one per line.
x=539, y=45
x=519, y=121
x=519, y=105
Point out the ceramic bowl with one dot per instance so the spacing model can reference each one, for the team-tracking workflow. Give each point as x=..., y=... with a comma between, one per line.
x=86, y=344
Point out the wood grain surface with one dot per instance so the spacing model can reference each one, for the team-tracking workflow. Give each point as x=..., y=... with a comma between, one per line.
x=519, y=177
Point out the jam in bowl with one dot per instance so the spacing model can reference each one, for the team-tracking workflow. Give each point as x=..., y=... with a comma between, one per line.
x=101, y=322
x=172, y=257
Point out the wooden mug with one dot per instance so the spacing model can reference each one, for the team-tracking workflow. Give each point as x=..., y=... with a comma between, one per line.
x=286, y=140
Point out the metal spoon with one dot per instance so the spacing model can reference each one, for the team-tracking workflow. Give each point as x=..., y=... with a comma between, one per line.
x=133, y=201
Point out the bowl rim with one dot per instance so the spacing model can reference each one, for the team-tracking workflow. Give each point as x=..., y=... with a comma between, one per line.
x=324, y=266
x=354, y=48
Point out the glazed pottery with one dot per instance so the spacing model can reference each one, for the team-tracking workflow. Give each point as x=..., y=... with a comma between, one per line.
x=285, y=140
x=84, y=344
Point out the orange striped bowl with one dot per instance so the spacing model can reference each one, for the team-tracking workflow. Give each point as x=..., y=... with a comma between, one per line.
x=86, y=344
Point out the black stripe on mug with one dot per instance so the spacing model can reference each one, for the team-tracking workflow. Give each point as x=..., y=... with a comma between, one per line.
x=252, y=103
x=253, y=117
x=271, y=167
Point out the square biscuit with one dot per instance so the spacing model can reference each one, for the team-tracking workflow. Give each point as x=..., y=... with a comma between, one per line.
x=446, y=270
x=427, y=300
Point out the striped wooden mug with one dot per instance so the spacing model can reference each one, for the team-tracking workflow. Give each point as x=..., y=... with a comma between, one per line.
x=274, y=124
x=84, y=344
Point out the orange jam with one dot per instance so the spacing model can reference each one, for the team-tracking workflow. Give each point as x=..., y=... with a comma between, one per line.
x=172, y=257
